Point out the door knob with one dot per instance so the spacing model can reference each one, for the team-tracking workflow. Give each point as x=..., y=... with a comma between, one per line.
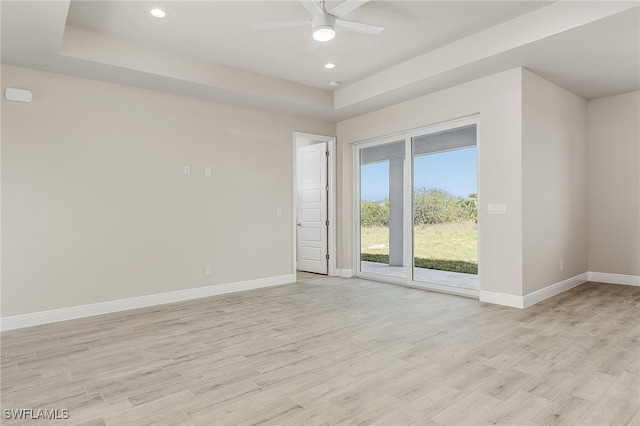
x=299, y=224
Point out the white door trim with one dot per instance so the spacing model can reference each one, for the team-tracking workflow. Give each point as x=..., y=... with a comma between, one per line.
x=331, y=197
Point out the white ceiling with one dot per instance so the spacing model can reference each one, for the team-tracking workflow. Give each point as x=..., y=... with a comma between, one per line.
x=220, y=31
x=209, y=50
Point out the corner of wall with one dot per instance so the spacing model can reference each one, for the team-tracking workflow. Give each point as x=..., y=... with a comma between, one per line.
x=614, y=185
x=554, y=188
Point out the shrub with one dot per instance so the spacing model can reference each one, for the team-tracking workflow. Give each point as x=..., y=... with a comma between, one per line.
x=434, y=206
x=431, y=206
x=468, y=208
x=374, y=213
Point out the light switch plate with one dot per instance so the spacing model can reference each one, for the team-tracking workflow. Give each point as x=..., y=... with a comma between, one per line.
x=497, y=209
x=207, y=171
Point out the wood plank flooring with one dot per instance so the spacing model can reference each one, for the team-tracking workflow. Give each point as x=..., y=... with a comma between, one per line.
x=337, y=351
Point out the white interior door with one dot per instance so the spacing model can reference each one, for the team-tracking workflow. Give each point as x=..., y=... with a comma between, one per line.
x=312, y=208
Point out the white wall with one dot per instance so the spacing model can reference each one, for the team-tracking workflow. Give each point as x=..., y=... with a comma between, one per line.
x=554, y=183
x=614, y=184
x=498, y=101
x=96, y=207
x=567, y=170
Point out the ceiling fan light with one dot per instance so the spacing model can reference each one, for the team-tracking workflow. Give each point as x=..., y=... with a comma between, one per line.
x=324, y=33
x=323, y=27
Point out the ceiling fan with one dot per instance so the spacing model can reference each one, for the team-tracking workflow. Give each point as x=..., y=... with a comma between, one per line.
x=324, y=23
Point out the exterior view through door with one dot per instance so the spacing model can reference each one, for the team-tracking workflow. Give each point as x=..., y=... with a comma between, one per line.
x=434, y=192
x=312, y=209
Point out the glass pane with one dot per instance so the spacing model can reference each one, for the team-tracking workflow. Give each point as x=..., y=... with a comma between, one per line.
x=445, y=231
x=381, y=209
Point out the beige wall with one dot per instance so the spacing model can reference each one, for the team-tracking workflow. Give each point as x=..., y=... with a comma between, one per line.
x=614, y=184
x=554, y=183
x=497, y=99
x=96, y=207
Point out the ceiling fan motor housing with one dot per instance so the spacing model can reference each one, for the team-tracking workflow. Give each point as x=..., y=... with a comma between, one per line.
x=323, y=23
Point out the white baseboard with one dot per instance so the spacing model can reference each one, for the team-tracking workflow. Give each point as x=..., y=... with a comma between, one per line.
x=554, y=289
x=501, y=299
x=602, y=277
x=83, y=311
x=535, y=297
x=344, y=273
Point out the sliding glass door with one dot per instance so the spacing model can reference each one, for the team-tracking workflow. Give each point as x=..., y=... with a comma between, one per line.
x=382, y=209
x=445, y=217
x=418, y=208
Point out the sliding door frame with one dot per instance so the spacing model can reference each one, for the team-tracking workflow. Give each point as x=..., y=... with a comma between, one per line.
x=408, y=227
x=356, y=190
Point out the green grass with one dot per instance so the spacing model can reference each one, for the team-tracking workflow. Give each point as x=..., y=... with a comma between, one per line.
x=446, y=246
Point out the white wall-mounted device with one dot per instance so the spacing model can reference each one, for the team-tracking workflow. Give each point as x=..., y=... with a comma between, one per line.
x=18, y=95
x=497, y=209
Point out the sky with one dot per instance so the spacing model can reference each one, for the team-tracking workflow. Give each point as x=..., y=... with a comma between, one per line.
x=454, y=171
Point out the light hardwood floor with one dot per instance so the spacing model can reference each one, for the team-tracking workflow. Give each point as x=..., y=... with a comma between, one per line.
x=337, y=351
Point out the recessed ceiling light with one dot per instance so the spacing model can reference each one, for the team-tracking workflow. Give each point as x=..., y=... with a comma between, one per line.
x=330, y=65
x=334, y=83
x=158, y=13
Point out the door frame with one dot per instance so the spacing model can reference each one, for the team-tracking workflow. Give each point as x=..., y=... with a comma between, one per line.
x=331, y=198
x=396, y=137
x=407, y=136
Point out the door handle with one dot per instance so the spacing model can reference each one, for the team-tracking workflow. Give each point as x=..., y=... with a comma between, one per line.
x=299, y=224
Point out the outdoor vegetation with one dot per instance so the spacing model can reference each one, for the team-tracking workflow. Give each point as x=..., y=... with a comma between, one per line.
x=445, y=231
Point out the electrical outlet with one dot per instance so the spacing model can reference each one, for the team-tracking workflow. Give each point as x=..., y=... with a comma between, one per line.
x=187, y=170
x=207, y=270
x=278, y=212
x=207, y=171
x=562, y=265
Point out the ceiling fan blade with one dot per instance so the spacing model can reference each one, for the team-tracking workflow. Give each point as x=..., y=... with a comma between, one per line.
x=359, y=27
x=283, y=24
x=312, y=7
x=346, y=7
